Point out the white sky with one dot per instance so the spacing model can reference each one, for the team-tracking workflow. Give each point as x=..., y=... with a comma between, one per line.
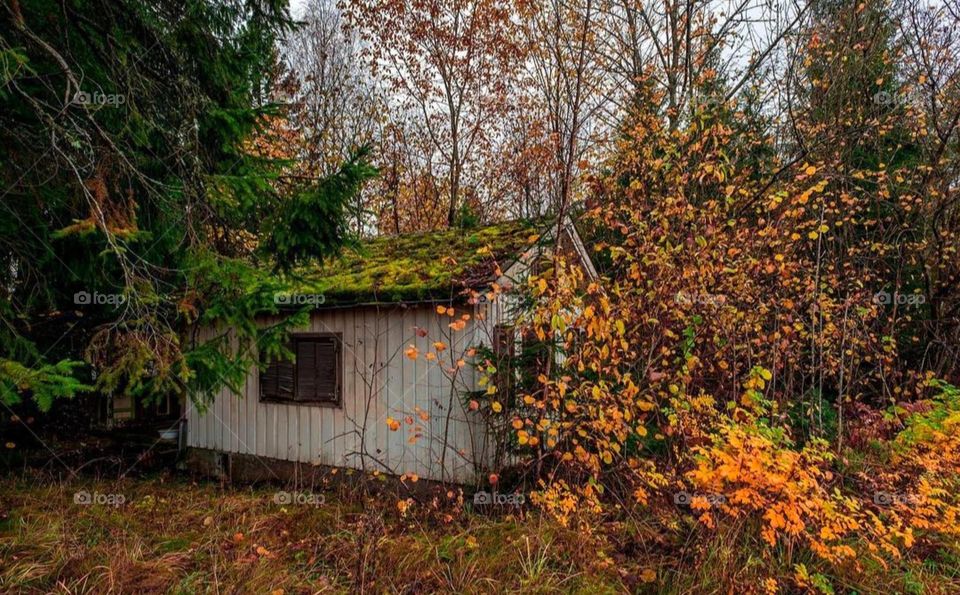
x=297, y=7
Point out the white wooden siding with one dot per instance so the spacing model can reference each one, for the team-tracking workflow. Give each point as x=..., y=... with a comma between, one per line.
x=379, y=381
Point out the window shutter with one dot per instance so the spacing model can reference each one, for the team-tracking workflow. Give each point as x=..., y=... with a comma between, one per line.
x=328, y=371
x=318, y=370
x=276, y=380
x=306, y=371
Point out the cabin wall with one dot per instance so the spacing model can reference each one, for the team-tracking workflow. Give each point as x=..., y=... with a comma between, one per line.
x=379, y=381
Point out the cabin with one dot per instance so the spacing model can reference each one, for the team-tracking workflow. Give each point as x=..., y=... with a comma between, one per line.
x=382, y=372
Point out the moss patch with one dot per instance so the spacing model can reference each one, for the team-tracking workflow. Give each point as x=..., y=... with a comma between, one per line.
x=412, y=267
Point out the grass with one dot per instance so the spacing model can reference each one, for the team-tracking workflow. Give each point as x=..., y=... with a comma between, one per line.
x=173, y=535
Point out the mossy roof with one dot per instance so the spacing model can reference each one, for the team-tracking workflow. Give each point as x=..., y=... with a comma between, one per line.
x=420, y=266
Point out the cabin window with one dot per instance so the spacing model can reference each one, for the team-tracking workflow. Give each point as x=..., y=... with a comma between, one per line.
x=535, y=356
x=313, y=377
x=504, y=350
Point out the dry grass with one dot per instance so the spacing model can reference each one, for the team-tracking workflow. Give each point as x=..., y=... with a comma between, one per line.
x=174, y=536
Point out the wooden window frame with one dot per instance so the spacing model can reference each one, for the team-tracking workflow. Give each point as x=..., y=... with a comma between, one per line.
x=294, y=339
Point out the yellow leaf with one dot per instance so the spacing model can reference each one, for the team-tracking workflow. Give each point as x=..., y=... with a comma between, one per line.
x=810, y=170
x=771, y=586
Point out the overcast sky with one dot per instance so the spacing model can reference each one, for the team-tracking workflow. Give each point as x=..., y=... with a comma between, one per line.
x=296, y=8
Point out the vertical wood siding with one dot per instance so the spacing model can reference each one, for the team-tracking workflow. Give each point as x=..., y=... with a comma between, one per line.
x=379, y=381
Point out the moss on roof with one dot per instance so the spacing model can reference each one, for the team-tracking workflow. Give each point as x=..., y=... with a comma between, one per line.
x=419, y=266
